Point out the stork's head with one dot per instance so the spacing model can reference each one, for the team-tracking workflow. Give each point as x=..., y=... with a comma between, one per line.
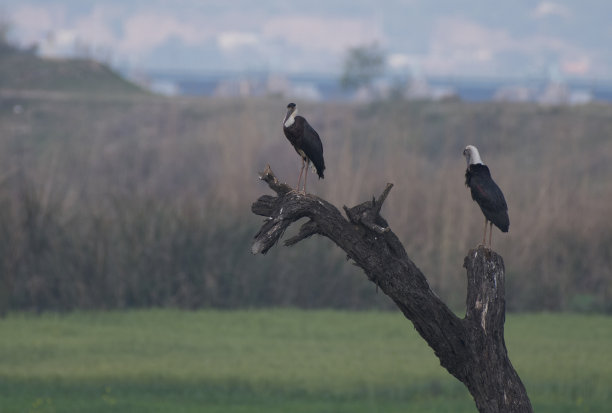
x=290, y=116
x=471, y=155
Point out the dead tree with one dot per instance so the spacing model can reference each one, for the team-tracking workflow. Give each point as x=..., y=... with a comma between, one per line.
x=472, y=349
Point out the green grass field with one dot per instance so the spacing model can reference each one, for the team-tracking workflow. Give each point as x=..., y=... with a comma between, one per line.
x=280, y=361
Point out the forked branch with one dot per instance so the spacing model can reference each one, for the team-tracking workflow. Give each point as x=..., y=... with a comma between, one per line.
x=472, y=349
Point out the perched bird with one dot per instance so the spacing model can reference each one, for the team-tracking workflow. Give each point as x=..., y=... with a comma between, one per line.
x=306, y=142
x=486, y=193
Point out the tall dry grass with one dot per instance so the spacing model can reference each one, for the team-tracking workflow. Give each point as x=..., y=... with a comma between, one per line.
x=109, y=203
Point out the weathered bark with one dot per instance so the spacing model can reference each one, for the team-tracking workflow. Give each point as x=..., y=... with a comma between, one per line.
x=472, y=349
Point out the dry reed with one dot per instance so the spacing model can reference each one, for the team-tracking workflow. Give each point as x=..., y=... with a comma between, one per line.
x=146, y=202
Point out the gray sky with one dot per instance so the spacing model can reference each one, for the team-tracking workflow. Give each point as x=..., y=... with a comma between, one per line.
x=433, y=37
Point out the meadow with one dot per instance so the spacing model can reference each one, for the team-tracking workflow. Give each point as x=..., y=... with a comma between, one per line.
x=280, y=360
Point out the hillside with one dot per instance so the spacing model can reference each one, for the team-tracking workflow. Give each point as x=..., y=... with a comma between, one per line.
x=20, y=70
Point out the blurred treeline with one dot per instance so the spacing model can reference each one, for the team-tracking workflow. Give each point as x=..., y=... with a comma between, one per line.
x=145, y=201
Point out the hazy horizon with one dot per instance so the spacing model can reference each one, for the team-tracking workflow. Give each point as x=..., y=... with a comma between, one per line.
x=475, y=38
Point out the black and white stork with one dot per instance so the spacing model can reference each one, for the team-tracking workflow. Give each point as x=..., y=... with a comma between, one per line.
x=306, y=142
x=486, y=193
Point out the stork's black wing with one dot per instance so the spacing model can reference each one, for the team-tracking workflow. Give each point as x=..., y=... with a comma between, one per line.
x=313, y=148
x=488, y=195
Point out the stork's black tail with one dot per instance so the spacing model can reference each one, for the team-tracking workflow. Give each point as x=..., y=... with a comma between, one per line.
x=319, y=164
x=501, y=220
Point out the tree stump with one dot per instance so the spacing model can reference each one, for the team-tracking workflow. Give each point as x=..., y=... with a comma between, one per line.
x=472, y=349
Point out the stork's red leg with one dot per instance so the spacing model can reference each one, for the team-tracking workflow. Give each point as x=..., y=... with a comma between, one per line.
x=300, y=178
x=484, y=235
x=490, y=233
x=306, y=175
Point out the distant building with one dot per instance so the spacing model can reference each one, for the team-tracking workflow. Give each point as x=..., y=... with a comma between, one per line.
x=514, y=94
x=364, y=95
x=236, y=87
x=305, y=91
x=556, y=93
x=418, y=89
x=164, y=87
x=580, y=97
x=277, y=85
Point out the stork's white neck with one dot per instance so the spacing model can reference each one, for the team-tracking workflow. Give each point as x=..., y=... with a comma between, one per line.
x=474, y=155
x=475, y=158
x=290, y=119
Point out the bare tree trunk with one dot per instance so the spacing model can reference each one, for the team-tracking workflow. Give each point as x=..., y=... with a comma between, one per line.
x=472, y=349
